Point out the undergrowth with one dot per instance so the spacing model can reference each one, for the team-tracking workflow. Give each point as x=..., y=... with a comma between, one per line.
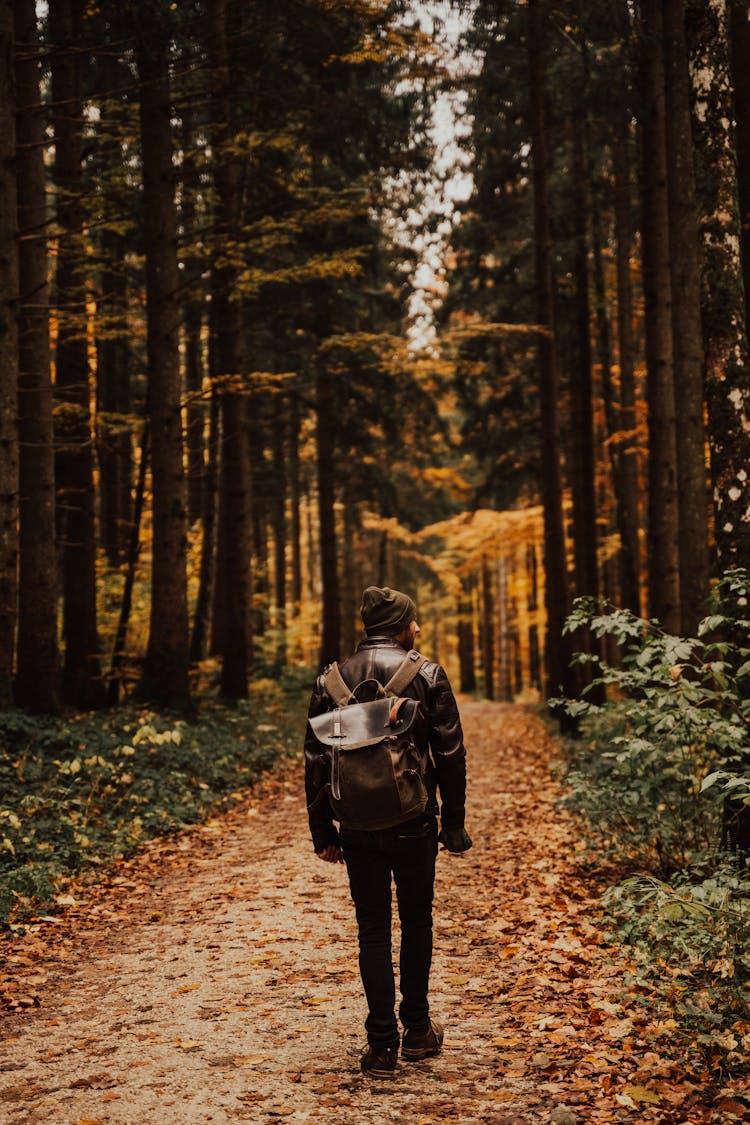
x=660, y=779
x=77, y=793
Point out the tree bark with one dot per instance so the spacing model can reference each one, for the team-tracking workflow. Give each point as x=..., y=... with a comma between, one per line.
x=663, y=512
x=557, y=596
x=208, y=564
x=165, y=673
x=114, y=441
x=487, y=631
x=581, y=452
x=503, y=632
x=234, y=479
x=626, y=503
x=467, y=671
x=325, y=416
x=349, y=592
x=685, y=259
x=195, y=409
x=8, y=357
x=295, y=493
x=113, y=389
x=727, y=372
x=82, y=683
x=126, y=605
x=739, y=40
x=259, y=518
x=37, y=685
x=630, y=501
x=234, y=533
x=278, y=523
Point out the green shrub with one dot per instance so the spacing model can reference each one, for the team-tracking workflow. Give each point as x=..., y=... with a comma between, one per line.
x=78, y=792
x=675, y=724
x=659, y=775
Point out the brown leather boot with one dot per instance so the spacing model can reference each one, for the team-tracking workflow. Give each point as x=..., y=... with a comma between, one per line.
x=422, y=1043
x=379, y=1062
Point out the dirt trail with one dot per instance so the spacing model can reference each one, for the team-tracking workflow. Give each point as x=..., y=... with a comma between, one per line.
x=216, y=980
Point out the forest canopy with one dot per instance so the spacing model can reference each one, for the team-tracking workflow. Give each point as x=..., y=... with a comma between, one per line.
x=257, y=352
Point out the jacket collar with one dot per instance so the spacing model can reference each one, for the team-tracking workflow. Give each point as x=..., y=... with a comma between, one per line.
x=380, y=642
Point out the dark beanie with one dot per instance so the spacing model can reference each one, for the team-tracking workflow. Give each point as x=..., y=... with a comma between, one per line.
x=386, y=611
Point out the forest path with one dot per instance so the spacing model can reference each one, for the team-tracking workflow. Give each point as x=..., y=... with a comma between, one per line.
x=214, y=979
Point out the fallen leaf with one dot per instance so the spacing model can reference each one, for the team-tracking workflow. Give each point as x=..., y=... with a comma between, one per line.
x=541, y=1060
x=561, y=1115
x=642, y=1094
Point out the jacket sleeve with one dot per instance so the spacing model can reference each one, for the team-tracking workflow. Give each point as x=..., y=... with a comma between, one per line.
x=322, y=828
x=448, y=753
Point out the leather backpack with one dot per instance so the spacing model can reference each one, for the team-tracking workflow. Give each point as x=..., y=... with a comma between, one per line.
x=376, y=770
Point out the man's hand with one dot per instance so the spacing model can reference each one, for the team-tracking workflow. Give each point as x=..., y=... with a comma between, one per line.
x=455, y=839
x=331, y=854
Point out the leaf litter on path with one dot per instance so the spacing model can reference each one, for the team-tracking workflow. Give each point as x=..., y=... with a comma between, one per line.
x=217, y=972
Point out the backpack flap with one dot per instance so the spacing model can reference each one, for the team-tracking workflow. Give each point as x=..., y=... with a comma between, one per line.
x=377, y=772
x=351, y=728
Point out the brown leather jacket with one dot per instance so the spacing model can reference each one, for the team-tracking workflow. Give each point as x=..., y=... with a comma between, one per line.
x=438, y=730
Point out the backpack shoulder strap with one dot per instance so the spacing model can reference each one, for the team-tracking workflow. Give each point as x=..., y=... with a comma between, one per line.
x=405, y=673
x=334, y=684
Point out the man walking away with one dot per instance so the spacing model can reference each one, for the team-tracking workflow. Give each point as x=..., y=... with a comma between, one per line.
x=406, y=848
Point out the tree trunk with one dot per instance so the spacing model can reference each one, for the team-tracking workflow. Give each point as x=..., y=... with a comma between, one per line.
x=165, y=674
x=487, y=631
x=37, y=673
x=532, y=606
x=278, y=524
x=630, y=503
x=118, y=653
x=663, y=515
x=234, y=533
x=725, y=331
x=557, y=598
x=581, y=452
x=739, y=40
x=313, y=561
x=8, y=357
x=114, y=442
x=218, y=586
x=685, y=256
x=113, y=390
x=467, y=672
x=259, y=526
x=195, y=410
x=503, y=632
x=83, y=686
x=295, y=491
x=349, y=592
x=625, y=519
x=206, y=579
x=325, y=416
x=234, y=507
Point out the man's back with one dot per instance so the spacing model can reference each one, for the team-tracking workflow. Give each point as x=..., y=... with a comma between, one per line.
x=405, y=851
x=437, y=730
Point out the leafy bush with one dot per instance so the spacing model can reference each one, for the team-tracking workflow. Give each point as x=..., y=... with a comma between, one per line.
x=660, y=769
x=78, y=792
x=676, y=723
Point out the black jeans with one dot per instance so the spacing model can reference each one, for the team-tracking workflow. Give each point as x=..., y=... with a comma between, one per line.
x=408, y=851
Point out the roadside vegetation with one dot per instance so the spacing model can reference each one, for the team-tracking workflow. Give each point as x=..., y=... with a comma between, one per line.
x=79, y=792
x=660, y=779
